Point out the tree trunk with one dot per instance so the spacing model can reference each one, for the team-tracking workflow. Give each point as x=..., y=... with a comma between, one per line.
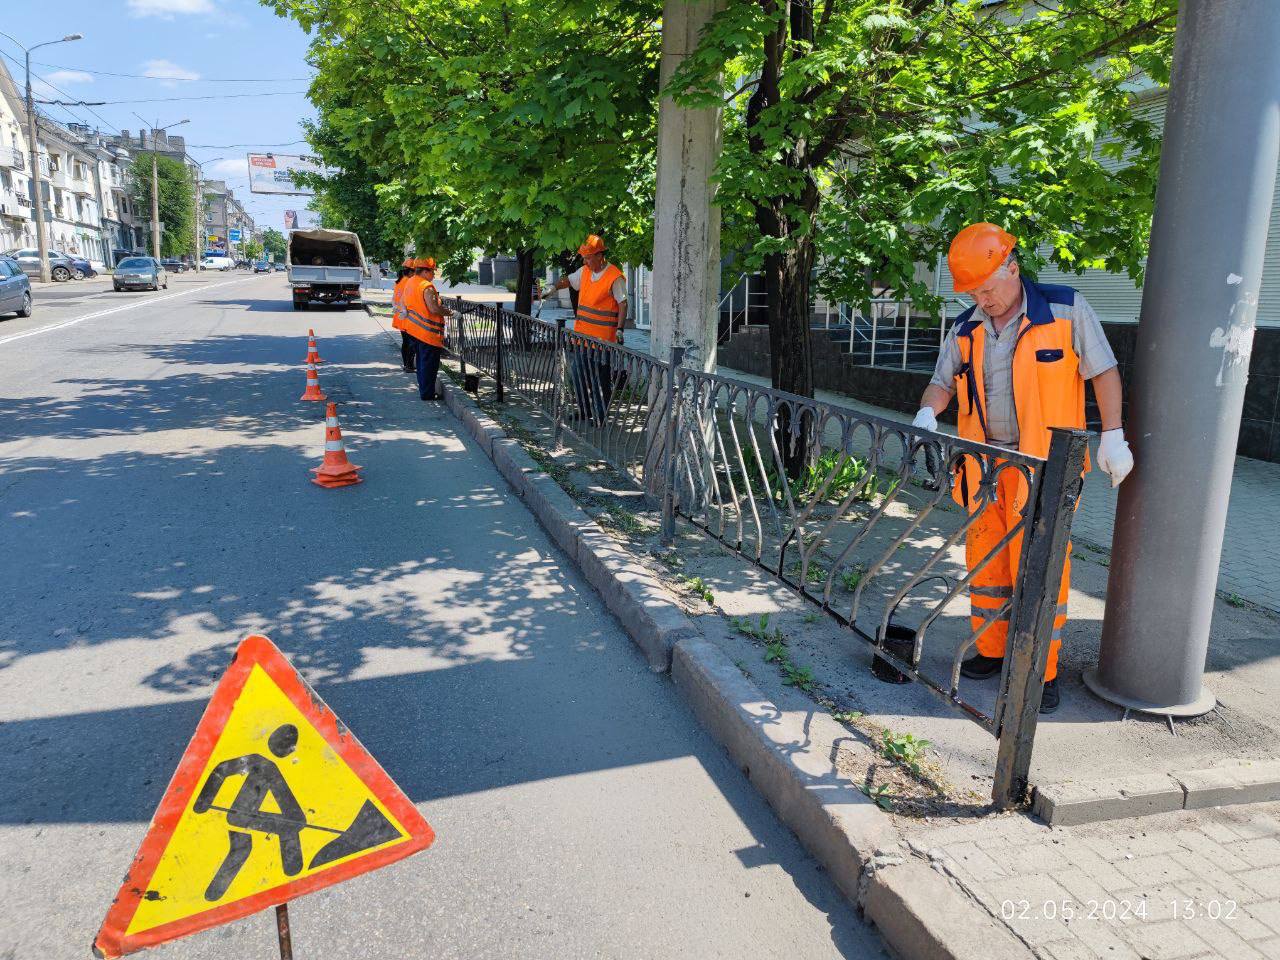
x=790, y=346
x=524, y=282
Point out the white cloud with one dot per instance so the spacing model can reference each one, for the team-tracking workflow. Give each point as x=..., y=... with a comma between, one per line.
x=168, y=70
x=62, y=78
x=230, y=167
x=168, y=9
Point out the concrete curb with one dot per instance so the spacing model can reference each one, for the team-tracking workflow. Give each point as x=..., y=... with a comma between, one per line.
x=921, y=914
x=1071, y=804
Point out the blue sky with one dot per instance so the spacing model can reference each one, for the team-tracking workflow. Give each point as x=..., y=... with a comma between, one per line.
x=174, y=49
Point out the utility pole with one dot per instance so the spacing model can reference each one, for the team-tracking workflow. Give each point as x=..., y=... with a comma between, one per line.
x=33, y=153
x=155, y=198
x=155, y=181
x=1200, y=297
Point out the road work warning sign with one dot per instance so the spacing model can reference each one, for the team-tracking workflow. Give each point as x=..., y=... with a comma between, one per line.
x=273, y=798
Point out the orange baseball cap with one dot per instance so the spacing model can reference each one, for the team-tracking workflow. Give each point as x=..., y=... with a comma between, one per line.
x=976, y=253
x=593, y=244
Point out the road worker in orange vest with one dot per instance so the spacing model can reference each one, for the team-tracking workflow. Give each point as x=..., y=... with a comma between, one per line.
x=601, y=315
x=1018, y=360
x=408, y=349
x=425, y=317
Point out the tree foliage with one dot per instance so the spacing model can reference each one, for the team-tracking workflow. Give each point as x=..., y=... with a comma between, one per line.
x=177, y=200
x=861, y=134
x=273, y=242
x=487, y=125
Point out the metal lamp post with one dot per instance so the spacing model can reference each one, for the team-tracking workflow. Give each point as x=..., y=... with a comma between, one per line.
x=37, y=197
x=196, y=256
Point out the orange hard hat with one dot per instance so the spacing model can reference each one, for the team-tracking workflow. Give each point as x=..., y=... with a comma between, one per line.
x=593, y=244
x=408, y=262
x=427, y=263
x=976, y=253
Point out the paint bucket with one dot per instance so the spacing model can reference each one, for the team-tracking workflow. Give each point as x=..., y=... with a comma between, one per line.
x=900, y=642
x=471, y=382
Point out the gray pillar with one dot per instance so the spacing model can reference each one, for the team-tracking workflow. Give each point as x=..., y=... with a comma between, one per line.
x=686, y=235
x=1217, y=180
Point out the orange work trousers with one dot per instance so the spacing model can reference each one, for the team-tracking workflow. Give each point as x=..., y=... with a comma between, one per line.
x=992, y=586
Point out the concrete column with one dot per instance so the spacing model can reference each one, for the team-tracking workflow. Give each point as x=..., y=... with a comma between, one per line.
x=1217, y=180
x=686, y=236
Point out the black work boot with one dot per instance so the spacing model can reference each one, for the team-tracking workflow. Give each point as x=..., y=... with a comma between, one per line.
x=1050, y=699
x=979, y=667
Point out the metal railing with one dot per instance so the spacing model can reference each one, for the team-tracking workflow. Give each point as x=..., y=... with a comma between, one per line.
x=13, y=158
x=853, y=512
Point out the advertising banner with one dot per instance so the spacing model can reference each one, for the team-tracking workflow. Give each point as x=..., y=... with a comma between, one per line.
x=291, y=219
x=273, y=173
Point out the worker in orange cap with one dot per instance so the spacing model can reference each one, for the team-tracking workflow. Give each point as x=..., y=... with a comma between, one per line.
x=602, y=315
x=1018, y=359
x=425, y=319
x=408, y=350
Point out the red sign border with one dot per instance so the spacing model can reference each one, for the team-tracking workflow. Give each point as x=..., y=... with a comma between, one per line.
x=255, y=650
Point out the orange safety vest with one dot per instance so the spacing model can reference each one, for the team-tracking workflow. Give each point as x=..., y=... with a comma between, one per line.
x=1048, y=390
x=397, y=303
x=597, y=314
x=419, y=322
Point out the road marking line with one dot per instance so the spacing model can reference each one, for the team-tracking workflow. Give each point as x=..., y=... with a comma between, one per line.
x=120, y=309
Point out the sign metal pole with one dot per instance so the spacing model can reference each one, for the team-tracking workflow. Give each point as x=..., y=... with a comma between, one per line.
x=282, y=928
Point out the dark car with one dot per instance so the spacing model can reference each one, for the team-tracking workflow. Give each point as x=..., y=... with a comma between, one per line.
x=15, y=288
x=262, y=266
x=174, y=265
x=140, y=273
x=80, y=267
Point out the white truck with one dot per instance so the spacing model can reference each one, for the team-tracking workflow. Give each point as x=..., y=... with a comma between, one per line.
x=325, y=266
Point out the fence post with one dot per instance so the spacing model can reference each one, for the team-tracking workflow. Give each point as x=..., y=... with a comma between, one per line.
x=557, y=388
x=499, y=364
x=906, y=333
x=672, y=414
x=1046, y=536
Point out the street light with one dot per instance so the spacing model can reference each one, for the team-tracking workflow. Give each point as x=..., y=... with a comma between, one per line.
x=155, y=184
x=199, y=171
x=37, y=195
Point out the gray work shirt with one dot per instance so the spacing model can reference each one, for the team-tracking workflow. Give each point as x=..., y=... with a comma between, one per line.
x=1087, y=339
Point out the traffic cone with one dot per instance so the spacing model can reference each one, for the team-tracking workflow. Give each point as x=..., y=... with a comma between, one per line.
x=337, y=470
x=312, y=355
x=313, y=385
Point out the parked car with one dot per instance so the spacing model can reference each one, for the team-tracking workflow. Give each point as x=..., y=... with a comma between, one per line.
x=279, y=267
x=174, y=265
x=60, y=267
x=15, y=288
x=218, y=263
x=262, y=266
x=140, y=273
x=80, y=267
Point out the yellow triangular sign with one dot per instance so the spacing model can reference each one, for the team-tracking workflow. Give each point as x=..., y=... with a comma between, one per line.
x=273, y=798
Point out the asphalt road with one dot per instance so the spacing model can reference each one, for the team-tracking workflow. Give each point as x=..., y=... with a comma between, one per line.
x=155, y=508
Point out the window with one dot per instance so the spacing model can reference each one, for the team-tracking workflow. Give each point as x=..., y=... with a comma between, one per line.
x=55, y=162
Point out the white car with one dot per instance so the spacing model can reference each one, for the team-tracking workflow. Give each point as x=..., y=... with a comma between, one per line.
x=218, y=263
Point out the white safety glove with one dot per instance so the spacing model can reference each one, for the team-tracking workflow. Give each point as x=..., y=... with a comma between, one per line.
x=926, y=419
x=1114, y=455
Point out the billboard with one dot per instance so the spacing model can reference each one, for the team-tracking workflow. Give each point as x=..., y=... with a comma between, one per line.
x=291, y=220
x=273, y=173
x=233, y=235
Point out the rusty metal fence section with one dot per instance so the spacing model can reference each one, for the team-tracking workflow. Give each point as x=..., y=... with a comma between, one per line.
x=854, y=512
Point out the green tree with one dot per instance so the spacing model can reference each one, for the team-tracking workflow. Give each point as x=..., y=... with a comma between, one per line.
x=861, y=134
x=177, y=197
x=252, y=250
x=498, y=126
x=273, y=242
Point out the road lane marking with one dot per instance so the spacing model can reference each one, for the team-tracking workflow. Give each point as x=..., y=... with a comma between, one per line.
x=120, y=309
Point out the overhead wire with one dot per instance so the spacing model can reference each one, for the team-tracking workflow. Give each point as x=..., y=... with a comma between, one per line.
x=143, y=76
x=210, y=96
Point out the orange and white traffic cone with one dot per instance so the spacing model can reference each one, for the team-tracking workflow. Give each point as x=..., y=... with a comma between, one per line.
x=337, y=470
x=313, y=385
x=313, y=355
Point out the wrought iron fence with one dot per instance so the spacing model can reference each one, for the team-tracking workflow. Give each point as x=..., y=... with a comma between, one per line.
x=856, y=513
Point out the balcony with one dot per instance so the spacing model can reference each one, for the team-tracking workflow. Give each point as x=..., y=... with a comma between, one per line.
x=13, y=158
